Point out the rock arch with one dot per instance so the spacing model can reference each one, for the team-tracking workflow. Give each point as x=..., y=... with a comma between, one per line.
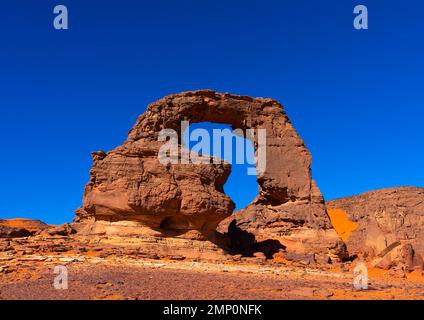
x=129, y=183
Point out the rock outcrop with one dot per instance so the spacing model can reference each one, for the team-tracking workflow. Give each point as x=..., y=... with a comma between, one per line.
x=389, y=226
x=16, y=228
x=130, y=184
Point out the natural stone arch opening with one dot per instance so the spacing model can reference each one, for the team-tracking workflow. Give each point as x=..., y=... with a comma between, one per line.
x=238, y=150
x=279, y=183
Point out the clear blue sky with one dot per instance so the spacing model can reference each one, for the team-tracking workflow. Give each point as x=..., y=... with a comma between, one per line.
x=355, y=97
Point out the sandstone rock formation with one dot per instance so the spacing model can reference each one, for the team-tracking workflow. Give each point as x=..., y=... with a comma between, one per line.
x=390, y=224
x=65, y=229
x=130, y=184
x=15, y=228
x=19, y=227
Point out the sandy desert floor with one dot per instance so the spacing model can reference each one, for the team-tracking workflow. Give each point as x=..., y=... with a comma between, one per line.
x=93, y=275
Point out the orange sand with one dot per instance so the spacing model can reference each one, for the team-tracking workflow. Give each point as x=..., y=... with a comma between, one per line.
x=341, y=223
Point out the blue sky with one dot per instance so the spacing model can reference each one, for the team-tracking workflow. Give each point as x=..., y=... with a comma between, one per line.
x=355, y=97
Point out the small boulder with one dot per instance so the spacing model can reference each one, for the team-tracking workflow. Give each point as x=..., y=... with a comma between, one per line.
x=62, y=230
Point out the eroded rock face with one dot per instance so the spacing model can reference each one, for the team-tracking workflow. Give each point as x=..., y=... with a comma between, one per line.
x=129, y=182
x=390, y=224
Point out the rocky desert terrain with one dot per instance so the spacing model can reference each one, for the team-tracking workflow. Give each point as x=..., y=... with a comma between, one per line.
x=98, y=269
x=149, y=230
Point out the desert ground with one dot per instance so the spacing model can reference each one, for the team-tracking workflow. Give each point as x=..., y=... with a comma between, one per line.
x=27, y=271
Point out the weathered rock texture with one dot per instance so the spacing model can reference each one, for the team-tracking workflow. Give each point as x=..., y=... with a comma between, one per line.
x=19, y=227
x=390, y=224
x=15, y=228
x=129, y=183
